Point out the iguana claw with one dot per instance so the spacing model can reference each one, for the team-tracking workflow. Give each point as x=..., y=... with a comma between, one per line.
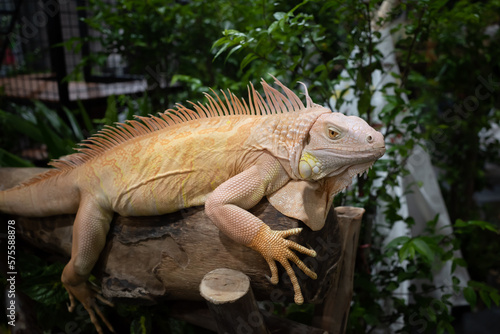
x=274, y=247
x=86, y=294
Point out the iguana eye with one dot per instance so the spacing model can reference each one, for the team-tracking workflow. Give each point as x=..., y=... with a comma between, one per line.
x=333, y=134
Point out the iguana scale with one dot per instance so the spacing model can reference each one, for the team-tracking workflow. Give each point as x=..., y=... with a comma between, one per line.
x=226, y=154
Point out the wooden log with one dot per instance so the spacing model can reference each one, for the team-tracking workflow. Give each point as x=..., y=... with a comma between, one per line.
x=333, y=312
x=199, y=315
x=231, y=302
x=150, y=259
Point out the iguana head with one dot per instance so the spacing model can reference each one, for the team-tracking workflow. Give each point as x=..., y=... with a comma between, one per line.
x=340, y=146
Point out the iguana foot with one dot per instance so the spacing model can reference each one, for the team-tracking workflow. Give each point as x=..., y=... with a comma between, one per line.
x=274, y=247
x=87, y=294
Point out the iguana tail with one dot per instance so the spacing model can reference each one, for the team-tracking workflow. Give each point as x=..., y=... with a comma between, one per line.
x=53, y=192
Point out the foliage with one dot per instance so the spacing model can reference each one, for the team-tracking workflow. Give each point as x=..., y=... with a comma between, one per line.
x=60, y=132
x=460, y=84
x=41, y=125
x=167, y=41
x=459, y=87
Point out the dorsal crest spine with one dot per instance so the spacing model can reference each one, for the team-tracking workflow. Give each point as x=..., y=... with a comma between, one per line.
x=230, y=105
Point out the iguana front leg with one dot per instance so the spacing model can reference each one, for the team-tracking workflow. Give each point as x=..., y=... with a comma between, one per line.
x=89, y=237
x=227, y=207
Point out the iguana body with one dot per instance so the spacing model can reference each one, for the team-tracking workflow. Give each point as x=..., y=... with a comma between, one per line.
x=226, y=155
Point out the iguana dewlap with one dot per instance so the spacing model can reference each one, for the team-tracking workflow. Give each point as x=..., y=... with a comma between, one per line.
x=226, y=154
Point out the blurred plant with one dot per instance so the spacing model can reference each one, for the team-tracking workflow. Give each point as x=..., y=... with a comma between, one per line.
x=167, y=41
x=458, y=81
x=41, y=125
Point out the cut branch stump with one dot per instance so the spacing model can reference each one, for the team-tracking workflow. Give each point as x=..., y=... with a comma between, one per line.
x=231, y=302
x=333, y=312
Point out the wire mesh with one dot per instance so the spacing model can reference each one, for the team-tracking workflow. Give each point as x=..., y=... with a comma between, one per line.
x=35, y=65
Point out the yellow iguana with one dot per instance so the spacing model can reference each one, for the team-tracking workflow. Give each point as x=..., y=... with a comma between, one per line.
x=226, y=154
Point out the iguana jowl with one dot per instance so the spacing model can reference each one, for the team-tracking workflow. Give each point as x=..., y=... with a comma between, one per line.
x=226, y=154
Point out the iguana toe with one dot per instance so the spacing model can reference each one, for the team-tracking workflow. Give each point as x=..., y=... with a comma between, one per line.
x=274, y=247
x=86, y=295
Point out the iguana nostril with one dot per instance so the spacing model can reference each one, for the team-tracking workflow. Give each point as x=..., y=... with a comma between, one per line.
x=369, y=139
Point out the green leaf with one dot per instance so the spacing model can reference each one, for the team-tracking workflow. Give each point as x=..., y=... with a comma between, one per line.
x=8, y=159
x=460, y=262
x=272, y=27
x=443, y=326
x=495, y=297
x=440, y=328
x=53, y=119
x=141, y=325
x=247, y=60
x=41, y=281
x=46, y=292
x=281, y=23
x=74, y=124
x=319, y=68
x=279, y=15
x=423, y=249
x=86, y=119
x=392, y=286
x=397, y=241
x=483, y=225
x=447, y=256
x=219, y=42
x=371, y=319
x=407, y=251
x=57, y=146
x=431, y=314
x=364, y=102
x=222, y=49
x=236, y=48
x=485, y=297
x=470, y=296
x=21, y=125
x=297, y=6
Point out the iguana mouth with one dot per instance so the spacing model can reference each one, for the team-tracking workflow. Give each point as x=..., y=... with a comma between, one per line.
x=359, y=169
x=346, y=175
x=368, y=154
x=348, y=172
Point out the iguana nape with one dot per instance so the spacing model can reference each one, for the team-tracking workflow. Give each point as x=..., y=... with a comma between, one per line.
x=227, y=154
